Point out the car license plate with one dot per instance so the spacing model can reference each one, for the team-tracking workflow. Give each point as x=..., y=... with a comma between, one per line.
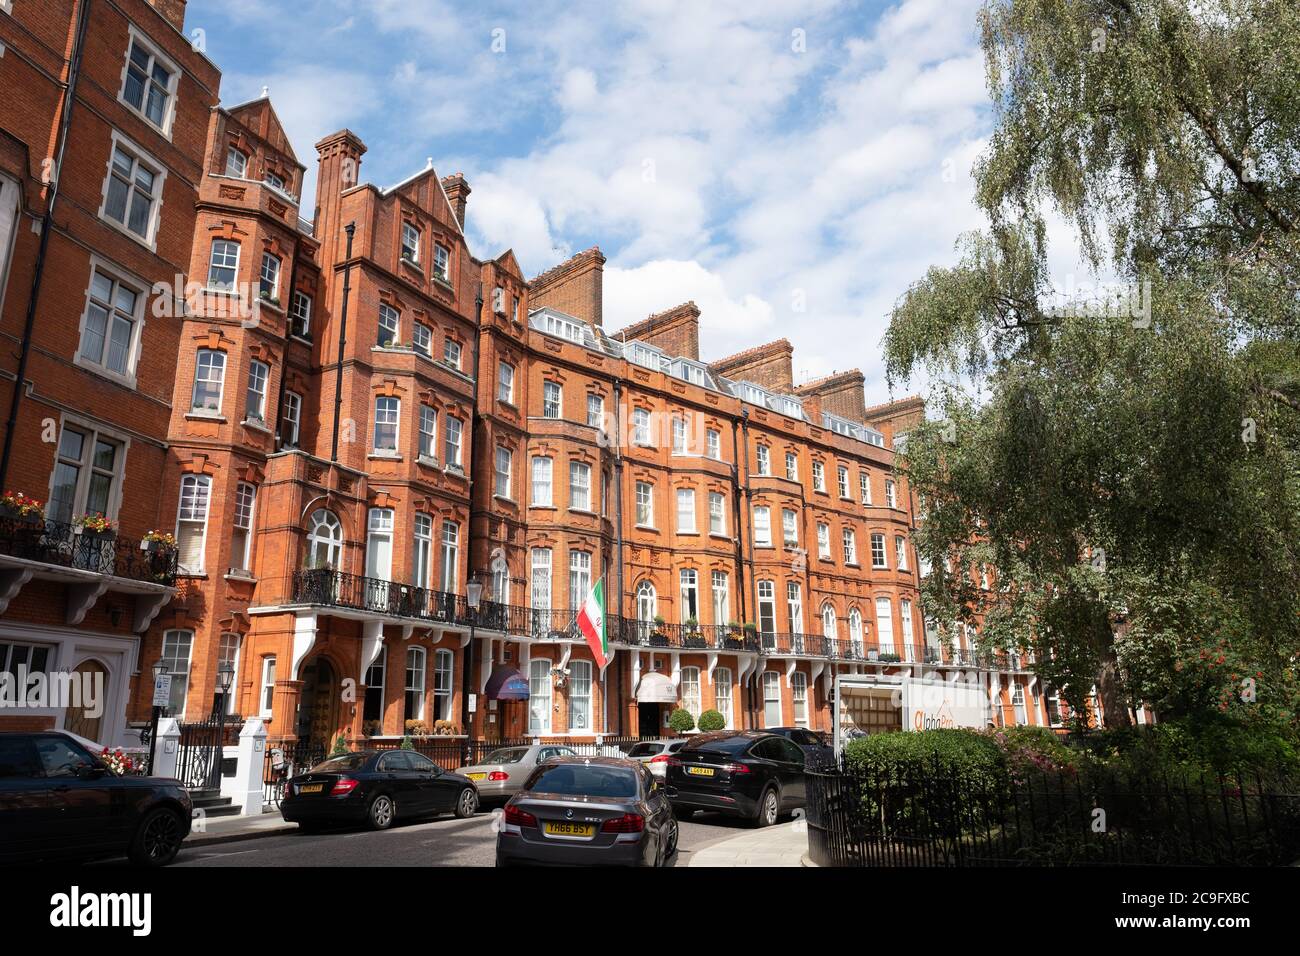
x=570, y=829
x=311, y=788
x=477, y=776
x=700, y=771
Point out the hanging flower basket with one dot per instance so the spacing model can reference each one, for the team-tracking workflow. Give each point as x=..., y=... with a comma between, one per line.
x=21, y=508
x=158, y=541
x=93, y=526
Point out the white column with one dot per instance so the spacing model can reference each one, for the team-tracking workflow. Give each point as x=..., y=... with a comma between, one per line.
x=167, y=748
x=251, y=767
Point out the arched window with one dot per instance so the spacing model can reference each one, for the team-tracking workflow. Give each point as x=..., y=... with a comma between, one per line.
x=646, y=605
x=828, y=622
x=855, y=631
x=324, y=540
x=692, y=700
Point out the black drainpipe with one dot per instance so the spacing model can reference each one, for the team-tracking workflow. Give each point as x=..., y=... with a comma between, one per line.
x=47, y=226
x=743, y=494
x=618, y=524
x=351, y=230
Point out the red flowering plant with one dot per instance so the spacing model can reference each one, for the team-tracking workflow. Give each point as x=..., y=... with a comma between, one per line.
x=23, y=505
x=93, y=522
x=117, y=761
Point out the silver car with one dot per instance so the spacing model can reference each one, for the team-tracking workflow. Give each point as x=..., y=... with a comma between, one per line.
x=589, y=811
x=654, y=754
x=501, y=774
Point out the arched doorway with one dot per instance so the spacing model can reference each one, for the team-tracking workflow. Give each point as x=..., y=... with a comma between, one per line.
x=318, y=708
x=76, y=719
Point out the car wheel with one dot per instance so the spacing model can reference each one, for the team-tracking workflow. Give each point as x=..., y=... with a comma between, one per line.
x=382, y=812
x=467, y=803
x=769, y=806
x=673, y=836
x=157, y=839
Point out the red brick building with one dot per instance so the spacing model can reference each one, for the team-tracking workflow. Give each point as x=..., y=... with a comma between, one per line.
x=394, y=471
x=102, y=131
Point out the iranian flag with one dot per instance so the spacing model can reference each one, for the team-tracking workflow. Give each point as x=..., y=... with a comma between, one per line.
x=591, y=621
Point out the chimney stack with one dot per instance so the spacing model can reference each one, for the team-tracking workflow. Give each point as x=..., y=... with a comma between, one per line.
x=676, y=331
x=172, y=10
x=339, y=169
x=574, y=287
x=458, y=193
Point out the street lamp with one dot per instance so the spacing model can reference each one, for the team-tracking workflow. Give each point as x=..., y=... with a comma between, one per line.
x=473, y=595
x=225, y=678
x=159, y=669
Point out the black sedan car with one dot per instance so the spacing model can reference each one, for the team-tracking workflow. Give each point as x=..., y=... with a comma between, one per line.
x=592, y=811
x=751, y=774
x=58, y=801
x=375, y=788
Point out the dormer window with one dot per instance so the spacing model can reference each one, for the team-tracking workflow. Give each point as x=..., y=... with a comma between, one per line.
x=236, y=163
x=410, y=243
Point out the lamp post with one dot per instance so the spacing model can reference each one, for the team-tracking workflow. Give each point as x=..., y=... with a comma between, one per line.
x=473, y=596
x=159, y=669
x=225, y=678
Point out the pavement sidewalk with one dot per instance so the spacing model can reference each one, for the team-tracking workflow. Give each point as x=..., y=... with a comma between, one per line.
x=782, y=845
x=226, y=829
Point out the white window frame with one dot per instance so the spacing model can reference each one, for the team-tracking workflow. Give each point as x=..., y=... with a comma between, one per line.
x=823, y=540
x=118, y=278
x=763, y=457
x=391, y=409
x=713, y=443
x=799, y=697
x=506, y=383
x=156, y=56
x=789, y=528
x=428, y=426
x=422, y=552
x=850, y=541
x=771, y=689
x=300, y=314
x=213, y=366
x=179, y=676
x=411, y=243
x=819, y=476
x=842, y=481
x=540, y=696
x=227, y=265
x=422, y=339
x=444, y=682
x=502, y=472
x=452, y=429
x=245, y=509
x=195, y=518
x=864, y=487
x=900, y=555
x=879, y=557
x=542, y=481
x=720, y=588
x=255, y=397
x=891, y=493
x=141, y=156
x=451, y=353
x=686, y=511
x=241, y=165
x=292, y=416
x=266, y=698
x=791, y=466
x=645, y=504
x=580, y=697
x=449, y=556
x=717, y=513
x=390, y=323
x=579, y=486
x=552, y=400
x=762, y=526
x=722, y=694
x=414, y=681
x=692, y=692
x=269, y=275
x=595, y=410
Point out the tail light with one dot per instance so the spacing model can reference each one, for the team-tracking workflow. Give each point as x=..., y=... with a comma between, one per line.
x=627, y=823
x=737, y=768
x=343, y=786
x=520, y=818
x=498, y=775
x=663, y=758
x=673, y=761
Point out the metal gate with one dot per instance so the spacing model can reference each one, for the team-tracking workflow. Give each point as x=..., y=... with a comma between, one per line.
x=198, y=760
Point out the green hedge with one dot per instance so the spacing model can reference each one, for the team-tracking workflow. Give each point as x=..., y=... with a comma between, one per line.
x=966, y=753
x=712, y=720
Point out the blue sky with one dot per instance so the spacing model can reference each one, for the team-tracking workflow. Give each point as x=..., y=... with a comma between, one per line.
x=790, y=166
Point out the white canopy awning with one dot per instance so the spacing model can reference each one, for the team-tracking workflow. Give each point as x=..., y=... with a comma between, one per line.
x=656, y=689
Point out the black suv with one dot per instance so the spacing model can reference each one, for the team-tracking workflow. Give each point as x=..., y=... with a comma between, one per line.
x=59, y=801
x=814, y=743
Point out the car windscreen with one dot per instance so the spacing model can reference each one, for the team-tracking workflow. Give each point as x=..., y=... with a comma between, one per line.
x=506, y=755
x=587, y=780
x=644, y=750
x=341, y=764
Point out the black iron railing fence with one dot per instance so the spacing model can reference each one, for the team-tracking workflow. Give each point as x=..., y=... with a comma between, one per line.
x=70, y=546
x=324, y=586
x=926, y=816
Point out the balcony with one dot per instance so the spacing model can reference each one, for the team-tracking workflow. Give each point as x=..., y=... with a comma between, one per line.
x=355, y=592
x=86, y=562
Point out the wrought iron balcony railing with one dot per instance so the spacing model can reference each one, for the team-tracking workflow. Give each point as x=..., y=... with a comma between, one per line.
x=327, y=587
x=100, y=552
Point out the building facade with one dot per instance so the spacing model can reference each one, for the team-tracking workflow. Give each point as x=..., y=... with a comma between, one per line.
x=392, y=471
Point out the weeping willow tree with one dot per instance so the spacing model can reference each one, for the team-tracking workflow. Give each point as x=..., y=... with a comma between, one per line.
x=1128, y=466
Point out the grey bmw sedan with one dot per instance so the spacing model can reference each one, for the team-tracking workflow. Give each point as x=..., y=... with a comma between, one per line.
x=588, y=811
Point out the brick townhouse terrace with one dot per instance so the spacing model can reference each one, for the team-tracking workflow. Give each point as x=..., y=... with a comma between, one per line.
x=393, y=470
